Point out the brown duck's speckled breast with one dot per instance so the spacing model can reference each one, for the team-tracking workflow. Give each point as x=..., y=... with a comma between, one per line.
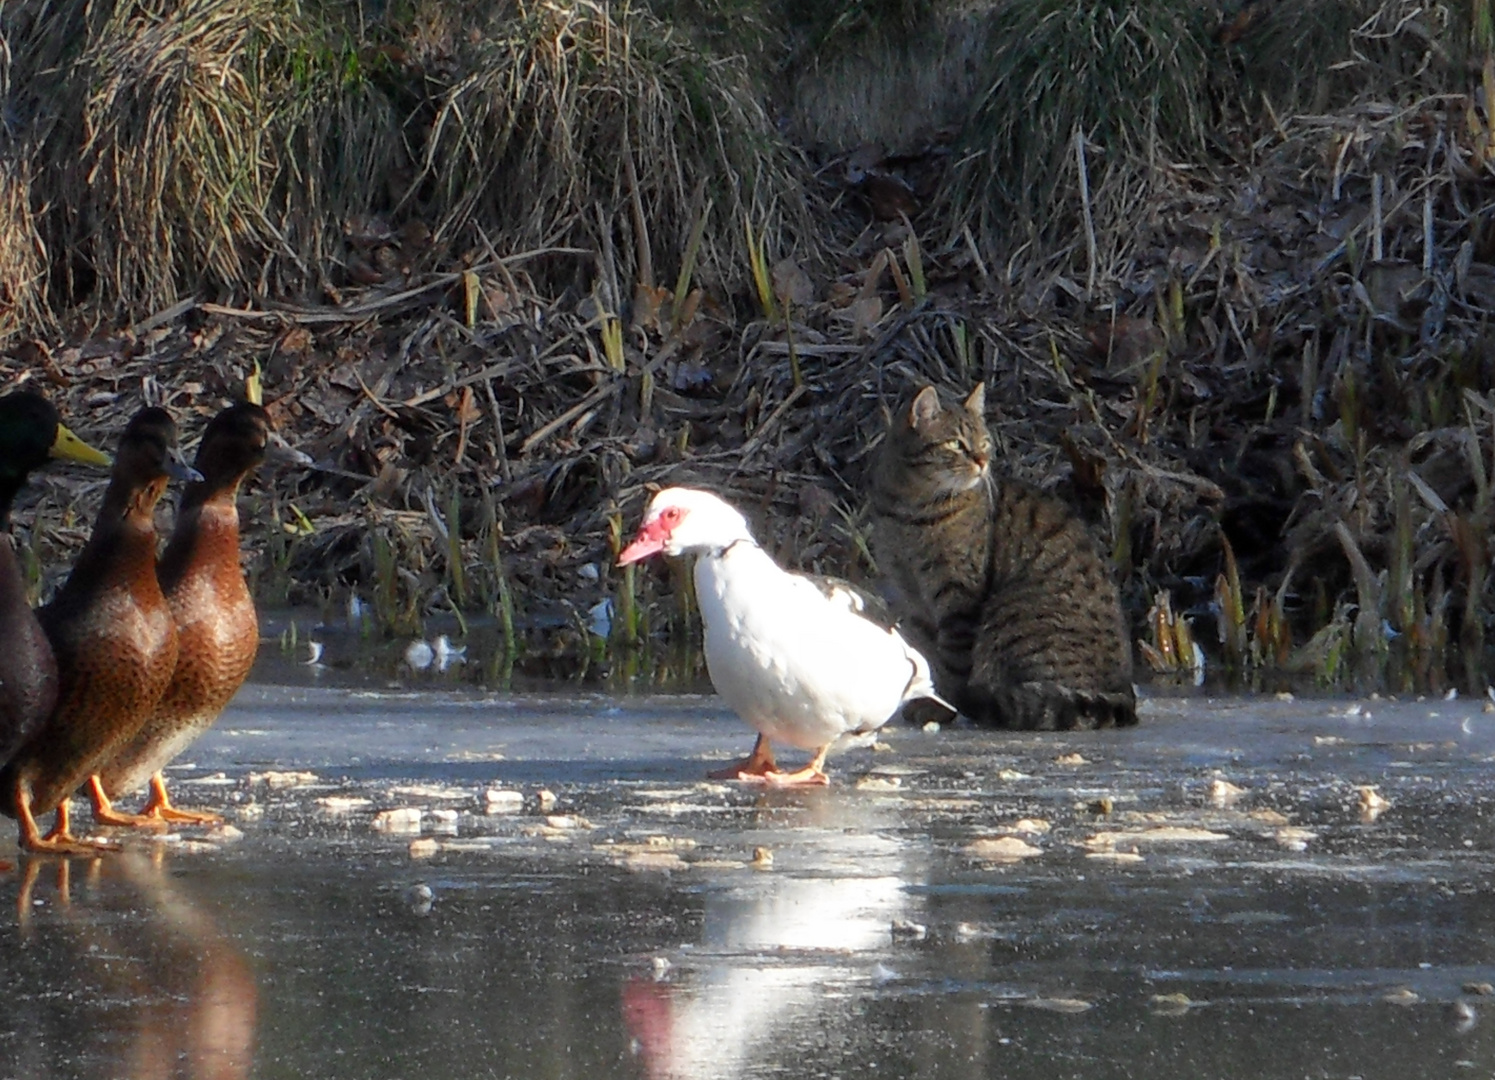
x=116, y=652
x=217, y=638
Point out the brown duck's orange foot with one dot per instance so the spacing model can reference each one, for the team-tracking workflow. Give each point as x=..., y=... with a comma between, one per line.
x=159, y=807
x=178, y=816
x=751, y=768
x=68, y=845
x=60, y=841
x=105, y=814
x=129, y=821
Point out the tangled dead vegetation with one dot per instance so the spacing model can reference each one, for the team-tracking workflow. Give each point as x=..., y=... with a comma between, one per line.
x=156, y=148
x=1263, y=374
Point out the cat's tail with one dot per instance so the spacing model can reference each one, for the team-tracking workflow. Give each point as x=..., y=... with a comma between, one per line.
x=1050, y=706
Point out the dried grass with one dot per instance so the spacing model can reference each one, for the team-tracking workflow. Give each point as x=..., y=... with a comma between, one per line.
x=23, y=263
x=1315, y=56
x=567, y=108
x=1092, y=110
x=259, y=150
x=903, y=87
x=1133, y=80
x=1271, y=342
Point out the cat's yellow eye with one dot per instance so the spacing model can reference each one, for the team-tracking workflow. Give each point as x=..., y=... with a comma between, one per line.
x=952, y=445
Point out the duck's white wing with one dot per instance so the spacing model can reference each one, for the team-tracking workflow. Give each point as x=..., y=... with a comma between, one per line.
x=798, y=662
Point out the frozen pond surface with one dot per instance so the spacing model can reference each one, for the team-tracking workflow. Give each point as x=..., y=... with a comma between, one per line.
x=653, y=924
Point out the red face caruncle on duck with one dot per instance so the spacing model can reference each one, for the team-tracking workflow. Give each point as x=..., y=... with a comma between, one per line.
x=652, y=535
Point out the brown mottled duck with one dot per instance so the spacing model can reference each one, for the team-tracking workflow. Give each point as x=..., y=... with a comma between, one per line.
x=114, y=638
x=217, y=631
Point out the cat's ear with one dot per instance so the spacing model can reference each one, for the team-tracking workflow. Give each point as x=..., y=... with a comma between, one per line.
x=976, y=403
x=925, y=409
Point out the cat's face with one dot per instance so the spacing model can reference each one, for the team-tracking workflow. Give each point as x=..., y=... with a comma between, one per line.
x=948, y=445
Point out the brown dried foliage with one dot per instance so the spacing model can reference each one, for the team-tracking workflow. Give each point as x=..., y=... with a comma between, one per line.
x=1284, y=346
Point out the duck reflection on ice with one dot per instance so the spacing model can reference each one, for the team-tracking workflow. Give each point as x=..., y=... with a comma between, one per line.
x=782, y=954
x=129, y=978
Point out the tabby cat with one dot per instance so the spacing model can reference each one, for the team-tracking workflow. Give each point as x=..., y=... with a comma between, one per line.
x=1001, y=586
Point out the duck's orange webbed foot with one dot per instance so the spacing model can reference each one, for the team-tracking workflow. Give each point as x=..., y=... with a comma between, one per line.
x=752, y=768
x=105, y=814
x=60, y=841
x=812, y=775
x=159, y=808
x=66, y=845
x=805, y=777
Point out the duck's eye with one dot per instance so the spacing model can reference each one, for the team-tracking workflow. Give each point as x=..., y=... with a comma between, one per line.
x=671, y=515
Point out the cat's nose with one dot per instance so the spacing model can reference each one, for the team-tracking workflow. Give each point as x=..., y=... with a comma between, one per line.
x=979, y=460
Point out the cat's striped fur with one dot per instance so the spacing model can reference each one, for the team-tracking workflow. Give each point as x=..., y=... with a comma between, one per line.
x=1001, y=586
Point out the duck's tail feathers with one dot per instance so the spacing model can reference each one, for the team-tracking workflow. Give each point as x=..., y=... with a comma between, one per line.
x=921, y=687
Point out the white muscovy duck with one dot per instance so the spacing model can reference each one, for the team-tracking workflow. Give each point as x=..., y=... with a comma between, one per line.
x=802, y=664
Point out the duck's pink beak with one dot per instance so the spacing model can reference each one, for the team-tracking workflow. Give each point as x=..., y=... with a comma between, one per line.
x=649, y=541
